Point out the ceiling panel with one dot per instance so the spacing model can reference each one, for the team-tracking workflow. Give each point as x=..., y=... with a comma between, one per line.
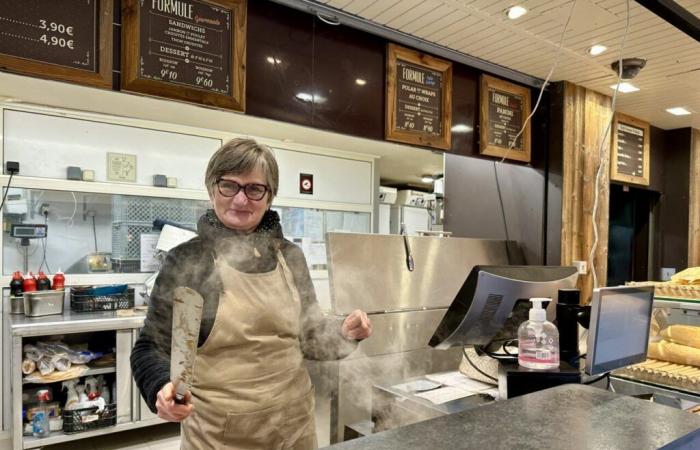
x=480, y=28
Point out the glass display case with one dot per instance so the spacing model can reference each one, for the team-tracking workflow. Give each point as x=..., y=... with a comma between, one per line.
x=672, y=368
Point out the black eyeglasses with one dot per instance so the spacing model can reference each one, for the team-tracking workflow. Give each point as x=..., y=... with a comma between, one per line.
x=253, y=191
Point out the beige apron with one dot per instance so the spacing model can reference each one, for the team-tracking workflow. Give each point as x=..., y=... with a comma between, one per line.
x=251, y=390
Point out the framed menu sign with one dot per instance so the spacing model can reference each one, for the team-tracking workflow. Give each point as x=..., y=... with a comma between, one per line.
x=504, y=108
x=629, y=161
x=418, y=98
x=69, y=40
x=191, y=50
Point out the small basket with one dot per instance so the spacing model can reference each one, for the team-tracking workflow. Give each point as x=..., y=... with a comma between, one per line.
x=84, y=419
x=85, y=300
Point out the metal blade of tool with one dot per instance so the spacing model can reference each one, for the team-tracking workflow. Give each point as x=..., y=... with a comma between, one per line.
x=187, y=317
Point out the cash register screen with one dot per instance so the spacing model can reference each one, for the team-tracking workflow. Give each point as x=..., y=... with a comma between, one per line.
x=619, y=330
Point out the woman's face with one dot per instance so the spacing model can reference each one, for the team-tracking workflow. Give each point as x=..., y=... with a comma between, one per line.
x=239, y=212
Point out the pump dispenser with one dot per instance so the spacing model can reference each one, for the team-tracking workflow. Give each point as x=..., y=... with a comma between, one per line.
x=538, y=340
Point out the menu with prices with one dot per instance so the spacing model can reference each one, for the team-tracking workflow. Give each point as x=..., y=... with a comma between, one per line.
x=630, y=150
x=629, y=154
x=186, y=42
x=505, y=119
x=59, y=33
x=419, y=99
x=504, y=107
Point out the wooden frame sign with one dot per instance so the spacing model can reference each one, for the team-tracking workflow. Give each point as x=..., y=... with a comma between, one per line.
x=504, y=108
x=418, y=98
x=629, y=156
x=190, y=50
x=70, y=40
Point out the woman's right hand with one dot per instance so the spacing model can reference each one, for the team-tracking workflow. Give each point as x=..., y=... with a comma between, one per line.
x=168, y=409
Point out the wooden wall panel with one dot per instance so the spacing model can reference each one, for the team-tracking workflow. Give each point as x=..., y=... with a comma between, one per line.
x=586, y=114
x=694, y=201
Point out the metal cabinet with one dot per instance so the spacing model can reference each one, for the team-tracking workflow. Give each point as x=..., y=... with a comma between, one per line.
x=131, y=412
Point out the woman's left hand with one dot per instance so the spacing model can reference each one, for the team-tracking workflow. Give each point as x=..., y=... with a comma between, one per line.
x=357, y=325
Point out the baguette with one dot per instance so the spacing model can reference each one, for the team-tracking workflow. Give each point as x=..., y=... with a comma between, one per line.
x=683, y=334
x=676, y=353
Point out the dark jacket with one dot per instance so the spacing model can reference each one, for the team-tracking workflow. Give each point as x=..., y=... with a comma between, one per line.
x=192, y=264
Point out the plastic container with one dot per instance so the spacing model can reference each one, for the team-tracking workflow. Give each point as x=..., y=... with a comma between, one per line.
x=59, y=281
x=538, y=340
x=16, y=284
x=29, y=283
x=40, y=420
x=42, y=282
x=85, y=419
x=103, y=298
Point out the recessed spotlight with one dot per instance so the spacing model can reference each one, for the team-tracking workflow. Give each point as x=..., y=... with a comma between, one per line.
x=310, y=98
x=360, y=81
x=515, y=12
x=625, y=88
x=678, y=111
x=597, y=49
x=272, y=60
x=427, y=178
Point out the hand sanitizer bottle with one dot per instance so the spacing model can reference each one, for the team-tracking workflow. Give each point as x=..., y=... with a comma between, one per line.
x=538, y=340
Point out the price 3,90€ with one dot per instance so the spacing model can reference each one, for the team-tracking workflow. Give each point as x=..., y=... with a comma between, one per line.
x=57, y=28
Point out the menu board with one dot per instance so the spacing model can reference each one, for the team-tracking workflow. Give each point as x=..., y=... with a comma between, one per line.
x=418, y=99
x=630, y=150
x=186, y=43
x=57, y=39
x=504, y=107
x=192, y=50
x=419, y=91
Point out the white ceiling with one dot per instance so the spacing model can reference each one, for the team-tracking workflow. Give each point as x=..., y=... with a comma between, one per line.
x=479, y=28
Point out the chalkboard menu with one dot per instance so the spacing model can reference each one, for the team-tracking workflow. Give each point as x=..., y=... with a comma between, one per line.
x=504, y=108
x=419, y=91
x=66, y=40
x=630, y=150
x=190, y=50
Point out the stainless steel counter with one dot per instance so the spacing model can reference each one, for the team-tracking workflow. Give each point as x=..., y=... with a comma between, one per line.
x=70, y=322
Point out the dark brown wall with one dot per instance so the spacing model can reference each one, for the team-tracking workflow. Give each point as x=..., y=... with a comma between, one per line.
x=673, y=205
x=325, y=60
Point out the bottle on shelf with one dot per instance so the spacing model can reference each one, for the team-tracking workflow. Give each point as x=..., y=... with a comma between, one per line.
x=40, y=420
x=16, y=284
x=59, y=281
x=43, y=283
x=29, y=283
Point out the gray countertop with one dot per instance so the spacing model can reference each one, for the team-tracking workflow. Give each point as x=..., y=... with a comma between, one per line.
x=572, y=417
x=71, y=322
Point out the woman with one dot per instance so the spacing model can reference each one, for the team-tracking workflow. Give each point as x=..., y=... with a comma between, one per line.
x=250, y=389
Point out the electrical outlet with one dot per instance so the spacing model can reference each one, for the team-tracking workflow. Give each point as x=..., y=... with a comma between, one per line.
x=44, y=209
x=581, y=267
x=667, y=273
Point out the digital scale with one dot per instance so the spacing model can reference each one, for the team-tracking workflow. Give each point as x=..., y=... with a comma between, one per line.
x=25, y=232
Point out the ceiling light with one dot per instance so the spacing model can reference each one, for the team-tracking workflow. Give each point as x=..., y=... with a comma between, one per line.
x=625, y=88
x=427, y=178
x=515, y=12
x=461, y=128
x=597, y=50
x=678, y=111
x=272, y=60
x=360, y=81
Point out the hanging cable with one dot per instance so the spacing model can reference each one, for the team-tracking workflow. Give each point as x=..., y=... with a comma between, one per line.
x=599, y=173
x=7, y=189
x=511, y=145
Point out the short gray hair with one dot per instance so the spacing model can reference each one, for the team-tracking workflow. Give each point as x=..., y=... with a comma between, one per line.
x=241, y=156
